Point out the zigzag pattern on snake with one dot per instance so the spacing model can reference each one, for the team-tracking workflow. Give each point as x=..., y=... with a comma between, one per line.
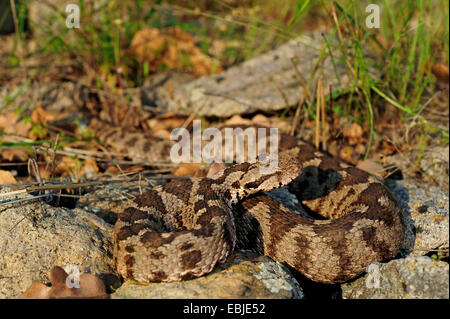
x=182, y=229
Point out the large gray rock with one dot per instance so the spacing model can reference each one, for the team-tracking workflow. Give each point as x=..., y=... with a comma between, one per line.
x=245, y=275
x=35, y=237
x=406, y=278
x=427, y=214
x=267, y=82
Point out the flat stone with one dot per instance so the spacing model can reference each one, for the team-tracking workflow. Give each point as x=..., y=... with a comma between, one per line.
x=35, y=237
x=407, y=278
x=245, y=275
x=427, y=216
x=267, y=82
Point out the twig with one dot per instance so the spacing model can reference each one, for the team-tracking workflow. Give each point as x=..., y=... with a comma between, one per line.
x=12, y=201
x=318, y=107
x=324, y=132
x=16, y=25
x=27, y=189
x=54, y=157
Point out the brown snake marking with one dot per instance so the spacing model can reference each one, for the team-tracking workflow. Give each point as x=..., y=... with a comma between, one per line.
x=182, y=229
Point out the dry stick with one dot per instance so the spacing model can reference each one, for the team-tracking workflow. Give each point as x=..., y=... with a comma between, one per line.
x=94, y=153
x=283, y=96
x=318, y=102
x=18, y=163
x=71, y=153
x=336, y=22
x=83, y=184
x=55, y=128
x=19, y=200
x=305, y=96
x=54, y=156
x=16, y=26
x=324, y=132
x=53, y=168
x=297, y=71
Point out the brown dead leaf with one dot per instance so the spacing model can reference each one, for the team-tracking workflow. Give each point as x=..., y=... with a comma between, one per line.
x=168, y=123
x=261, y=120
x=68, y=166
x=332, y=148
x=40, y=115
x=162, y=133
x=387, y=148
x=6, y=177
x=171, y=47
x=441, y=72
x=113, y=170
x=12, y=155
x=190, y=169
x=89, y=169
x=11, y=124
x=238, y=120
x=348, y=155
x=354, y=134
x=360, y=149
x=90, y=287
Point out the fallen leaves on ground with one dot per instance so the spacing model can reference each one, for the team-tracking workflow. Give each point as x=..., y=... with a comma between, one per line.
x=171, y=48
x=354, y=134
x=40, y=115
x=90, y=287
x=7, y=178
x=190, y=169
x=12, y=124
x=441, y=72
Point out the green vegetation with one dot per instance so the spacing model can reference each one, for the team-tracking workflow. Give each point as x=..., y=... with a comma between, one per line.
x=414, y=35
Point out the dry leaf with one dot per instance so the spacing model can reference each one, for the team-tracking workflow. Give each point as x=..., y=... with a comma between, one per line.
x=168, y=124
x=162, y=133
x=68, y=166
x=353, y=133
x=190, y=169
x=261, y=120
x=360, y=149
x=387, y=148
x=11, y=124
x=237, y=120
x=89, y=169
x=90, y=287
x=6, y=177
x=12, y=155
x=348, y=155
x=40, y=115
x=113, y=170
x=441, y=72
x=172, y=48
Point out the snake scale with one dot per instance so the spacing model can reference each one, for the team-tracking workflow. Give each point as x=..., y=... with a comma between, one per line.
x=182, y=229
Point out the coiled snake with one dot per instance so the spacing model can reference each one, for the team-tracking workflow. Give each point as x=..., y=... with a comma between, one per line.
x=183, y=228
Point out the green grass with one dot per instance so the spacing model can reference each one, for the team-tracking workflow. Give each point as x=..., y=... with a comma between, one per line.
x=414, y=34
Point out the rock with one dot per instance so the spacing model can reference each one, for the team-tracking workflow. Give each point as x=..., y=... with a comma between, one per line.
x=407, y=278
x=267, y=82
x=435, y=165
x=35, y=237
x=244, y=275
x=427, y=216
x=431, y=165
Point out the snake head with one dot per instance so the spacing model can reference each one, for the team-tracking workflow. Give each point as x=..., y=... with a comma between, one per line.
x=243, y=180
